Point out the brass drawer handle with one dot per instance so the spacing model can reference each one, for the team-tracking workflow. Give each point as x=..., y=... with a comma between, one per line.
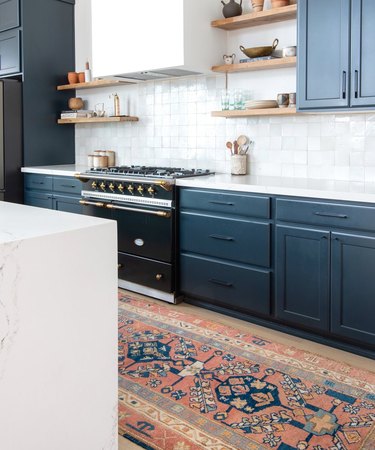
x=159, y=276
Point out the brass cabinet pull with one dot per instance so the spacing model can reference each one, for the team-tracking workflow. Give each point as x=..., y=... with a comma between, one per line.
x=120, y=266
x=86, y=203
x=159, y=276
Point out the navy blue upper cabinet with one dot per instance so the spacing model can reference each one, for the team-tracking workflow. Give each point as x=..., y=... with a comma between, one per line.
x=9, y=14
x=323, y=54
x=363, y=53
x=336, y=55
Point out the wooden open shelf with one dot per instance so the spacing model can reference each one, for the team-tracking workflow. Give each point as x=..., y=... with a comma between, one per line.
x=99, y=120
x=257, y=18
x=255, y=112
x=93, y=84
x=277, y=63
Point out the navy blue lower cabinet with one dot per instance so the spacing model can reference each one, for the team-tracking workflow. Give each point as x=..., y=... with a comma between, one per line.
x=38, y=199
x=353, y=287
x=238, y=240
x=302, y=276
x=67, y=204
x=234, y=286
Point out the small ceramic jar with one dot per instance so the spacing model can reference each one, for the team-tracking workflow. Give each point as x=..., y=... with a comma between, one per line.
x=238, y=164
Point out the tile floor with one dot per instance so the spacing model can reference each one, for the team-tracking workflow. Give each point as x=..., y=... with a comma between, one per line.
x=287, y=339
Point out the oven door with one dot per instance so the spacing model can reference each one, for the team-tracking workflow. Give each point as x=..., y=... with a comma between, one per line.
x=144, y=231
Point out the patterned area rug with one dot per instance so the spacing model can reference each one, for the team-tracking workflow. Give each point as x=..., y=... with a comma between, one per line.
x=188, y=384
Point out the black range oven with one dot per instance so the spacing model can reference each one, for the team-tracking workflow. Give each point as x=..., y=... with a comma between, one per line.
x=142, y=201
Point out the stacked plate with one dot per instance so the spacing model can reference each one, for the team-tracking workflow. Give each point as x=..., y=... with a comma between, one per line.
x=260, y=104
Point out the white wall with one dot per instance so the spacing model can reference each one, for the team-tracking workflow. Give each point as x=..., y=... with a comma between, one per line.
x=176, y=127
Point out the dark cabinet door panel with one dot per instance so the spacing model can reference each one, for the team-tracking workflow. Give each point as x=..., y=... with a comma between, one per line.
x=363, y=53
x=67, y=204
x=10, y=61
x=237, y=240
x=323, y=53
x=9, y=14
x=233, y=286
x=353, y=287
x=302, y=276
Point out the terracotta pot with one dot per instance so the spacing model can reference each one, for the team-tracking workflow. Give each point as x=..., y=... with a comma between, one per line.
x=72, y=77
x=279, y=3
x=81, y=77
x=257, y=5
x=75, y=103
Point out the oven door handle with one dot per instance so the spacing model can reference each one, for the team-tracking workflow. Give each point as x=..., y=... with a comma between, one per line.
x=164, y=214
x=87, y=203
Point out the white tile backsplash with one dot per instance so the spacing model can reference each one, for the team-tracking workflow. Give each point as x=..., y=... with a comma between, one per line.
x=176, y=129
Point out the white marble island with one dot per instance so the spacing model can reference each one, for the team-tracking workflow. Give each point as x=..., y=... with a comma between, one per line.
x=58, y=330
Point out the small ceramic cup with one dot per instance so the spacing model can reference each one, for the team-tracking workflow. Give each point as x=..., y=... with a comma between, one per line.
x=72, y=77
x=81, y=77
x=292, y=100
x=283, y=100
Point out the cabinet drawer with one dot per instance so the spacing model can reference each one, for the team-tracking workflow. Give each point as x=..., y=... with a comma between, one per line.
x=10, y=61
x=41, y=182
x=38, y=199
x=230, y=285
x=328, y=214
x=232, y=204
x=153, y=274
x=233, y=239
x=67, y=185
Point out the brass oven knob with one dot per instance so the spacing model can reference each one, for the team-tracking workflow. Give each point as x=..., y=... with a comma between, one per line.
x=159, y=276
x=102, y=186
x=94, y=184
x=120, y=187
x=151, y=190
x=140, y=189
x=112, y=187
x=131, y=188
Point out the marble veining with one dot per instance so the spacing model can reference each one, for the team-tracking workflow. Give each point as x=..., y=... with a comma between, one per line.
x=9, y=319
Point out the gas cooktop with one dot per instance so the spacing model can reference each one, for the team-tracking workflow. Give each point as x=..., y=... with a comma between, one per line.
x=149, y=172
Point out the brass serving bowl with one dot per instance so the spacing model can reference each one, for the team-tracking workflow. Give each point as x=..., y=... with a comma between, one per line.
x=256, y=52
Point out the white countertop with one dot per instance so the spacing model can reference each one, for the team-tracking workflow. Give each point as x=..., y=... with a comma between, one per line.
x=67, y=170
x=299, y=187
x=19, y=222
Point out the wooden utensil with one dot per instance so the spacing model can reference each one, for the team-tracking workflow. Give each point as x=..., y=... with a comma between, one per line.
x=230, y=146
x=235, y=145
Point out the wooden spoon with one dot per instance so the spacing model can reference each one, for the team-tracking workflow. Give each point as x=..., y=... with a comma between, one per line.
x=230, y=146
x=235, y=144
